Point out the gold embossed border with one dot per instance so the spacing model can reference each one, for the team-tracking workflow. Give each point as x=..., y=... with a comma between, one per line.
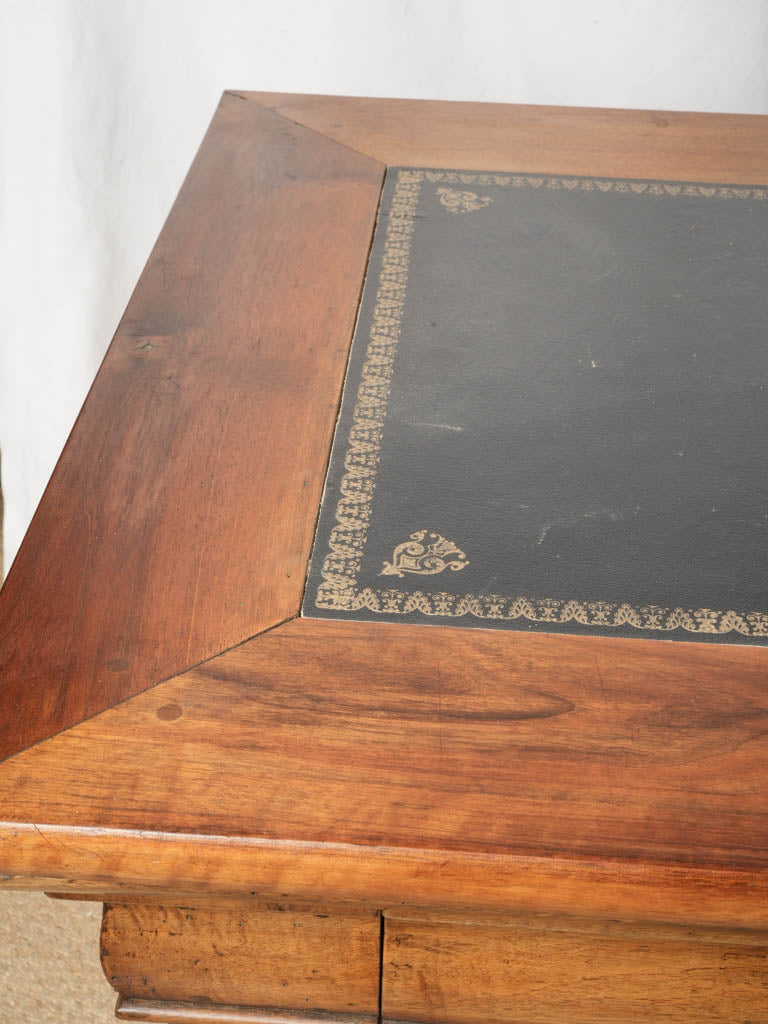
x=638, y=188
x=353, y=512
x=338, y=589
x=588, y=613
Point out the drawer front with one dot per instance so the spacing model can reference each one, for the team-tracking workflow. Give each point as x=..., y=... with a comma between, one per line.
x=559, y=971
x=243, y=961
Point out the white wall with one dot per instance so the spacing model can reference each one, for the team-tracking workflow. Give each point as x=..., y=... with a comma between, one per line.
x=103, y=102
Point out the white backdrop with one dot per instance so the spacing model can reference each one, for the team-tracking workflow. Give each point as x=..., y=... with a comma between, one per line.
x=103, y=102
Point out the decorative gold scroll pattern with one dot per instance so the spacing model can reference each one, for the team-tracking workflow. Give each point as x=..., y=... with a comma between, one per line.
x=425, y=554
x=588, y=613
x=638, y=188
x=341, y=566
x=338, y=589
x=458, y=201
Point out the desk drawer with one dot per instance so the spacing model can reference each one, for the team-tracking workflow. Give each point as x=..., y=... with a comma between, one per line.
x=243, y=961
x=565, y=971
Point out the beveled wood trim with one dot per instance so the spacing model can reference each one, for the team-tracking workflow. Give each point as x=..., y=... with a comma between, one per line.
x=179, y=519
x=485, y=741
x=518, y=137
x=189, y=1013
x=42, y=857
x=493, y=744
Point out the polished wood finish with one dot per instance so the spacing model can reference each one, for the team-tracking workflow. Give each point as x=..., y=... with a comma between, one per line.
x=163, y=537
x=515, y=137
x=651, y=753
x=539, y=971
x=180, y=867
x=187, y=1013
x=200, y=743
x=252, y=954
x=152, y=574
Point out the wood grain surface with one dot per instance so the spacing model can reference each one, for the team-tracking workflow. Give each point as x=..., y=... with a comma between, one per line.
x=167, y=1012
x=366, y=762
x=536, y=972
x=517, y=137
x=179, y=519
x=181, y=866
x=498, y=745
x=163, y=537
x=250, y=954
x=371, y=734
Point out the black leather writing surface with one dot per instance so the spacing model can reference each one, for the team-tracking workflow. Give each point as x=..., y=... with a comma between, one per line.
x=555, y=411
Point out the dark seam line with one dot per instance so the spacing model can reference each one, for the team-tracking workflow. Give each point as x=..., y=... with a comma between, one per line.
x=381, y=968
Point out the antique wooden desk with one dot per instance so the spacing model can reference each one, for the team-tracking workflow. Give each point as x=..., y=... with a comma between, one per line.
x=500, y=753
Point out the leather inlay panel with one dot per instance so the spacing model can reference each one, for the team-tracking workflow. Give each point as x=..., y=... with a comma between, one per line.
x=555, y=411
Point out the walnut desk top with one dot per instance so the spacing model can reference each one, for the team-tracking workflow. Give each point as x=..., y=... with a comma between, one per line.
x=458, y=702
